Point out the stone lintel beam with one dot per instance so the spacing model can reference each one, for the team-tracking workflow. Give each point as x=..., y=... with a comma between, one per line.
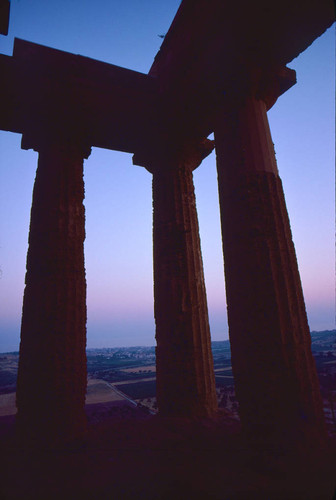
x=212, y=35
x=116, y=108
x=51, y=382
x=185, y=373
x=275, y=375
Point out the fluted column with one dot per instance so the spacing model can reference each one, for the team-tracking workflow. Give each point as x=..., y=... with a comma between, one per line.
x=185, y=375
x=275, y=375
x=52, y=366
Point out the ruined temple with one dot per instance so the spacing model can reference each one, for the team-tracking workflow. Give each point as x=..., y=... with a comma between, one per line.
x=217, y=71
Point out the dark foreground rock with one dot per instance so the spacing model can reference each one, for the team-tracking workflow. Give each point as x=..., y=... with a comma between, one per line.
x=130, y=454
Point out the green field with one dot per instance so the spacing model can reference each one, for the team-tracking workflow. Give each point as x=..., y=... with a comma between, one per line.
x=139, y=390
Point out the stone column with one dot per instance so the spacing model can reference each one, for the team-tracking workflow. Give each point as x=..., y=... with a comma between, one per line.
x=275, y=375
x=185, y=374
x=51, y=383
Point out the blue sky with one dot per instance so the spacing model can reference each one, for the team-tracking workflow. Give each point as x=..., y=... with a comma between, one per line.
x=118, y=247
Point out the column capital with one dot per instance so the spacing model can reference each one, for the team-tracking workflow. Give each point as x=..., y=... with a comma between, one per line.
x=189, y=155
x=266, y=83
x=56, y=140
x=270, y=84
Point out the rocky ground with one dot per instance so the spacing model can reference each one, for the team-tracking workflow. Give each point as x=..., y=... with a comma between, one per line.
x=130, y=454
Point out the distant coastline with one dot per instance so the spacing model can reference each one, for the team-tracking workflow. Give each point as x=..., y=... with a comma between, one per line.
x=314, y=333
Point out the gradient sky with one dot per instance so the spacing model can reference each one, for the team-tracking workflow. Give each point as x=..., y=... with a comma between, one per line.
x=118, y=246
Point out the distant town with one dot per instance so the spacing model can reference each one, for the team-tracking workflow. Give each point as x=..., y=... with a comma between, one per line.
x=130, y=373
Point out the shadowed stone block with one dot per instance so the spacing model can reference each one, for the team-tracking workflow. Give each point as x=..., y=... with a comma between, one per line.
x=52, y=367
x=4, y=16
x=275, y=375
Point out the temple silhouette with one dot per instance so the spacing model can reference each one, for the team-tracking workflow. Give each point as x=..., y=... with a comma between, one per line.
x=221, y=67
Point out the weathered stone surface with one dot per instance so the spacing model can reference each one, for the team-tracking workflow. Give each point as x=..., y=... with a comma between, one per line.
x=275, y=374
x=185, y=376
x=52, y=367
